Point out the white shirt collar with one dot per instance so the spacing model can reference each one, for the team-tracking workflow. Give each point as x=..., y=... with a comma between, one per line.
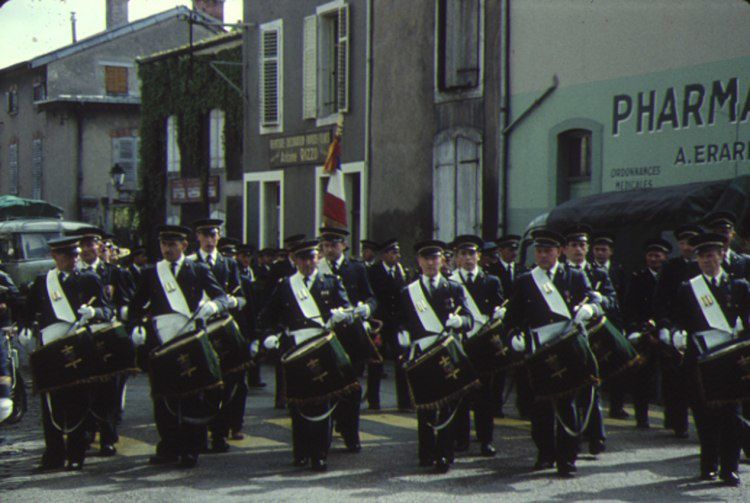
x=653, y=273
x=436, y=278
x=83, y=265
x=338, y=261
x=465, y=274
x=553, y=269
x=312, y=276
x=719, y=277
x=580, y=266
x=605, y=265
x=204, y=255
x=507, y=265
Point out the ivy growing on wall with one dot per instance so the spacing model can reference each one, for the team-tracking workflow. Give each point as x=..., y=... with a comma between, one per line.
x=188, y=88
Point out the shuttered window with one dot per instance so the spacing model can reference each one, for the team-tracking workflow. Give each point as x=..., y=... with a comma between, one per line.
x=326, y=61
x=459, y=39
x=37, y=160
x=457, y=184
x=173, y=146
x=309, y=68
x=125, y=153
x=216, y=139
x=116, y=80
x=13, y=167
x=271, y=81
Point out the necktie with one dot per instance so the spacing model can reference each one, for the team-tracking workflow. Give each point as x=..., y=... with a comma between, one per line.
x=432, y=286
x=510, y=271
x=335, y=269
x=307, y=281
x=714, y=282
x=173, y=266
x=391, y=273
x=210, y=261
x=470, y=278
x=549, y=274
x=63, y=277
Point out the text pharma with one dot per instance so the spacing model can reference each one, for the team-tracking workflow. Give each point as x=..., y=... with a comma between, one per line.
x=697, y=104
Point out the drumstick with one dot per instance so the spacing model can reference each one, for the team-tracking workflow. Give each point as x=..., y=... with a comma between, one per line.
x=235, y=290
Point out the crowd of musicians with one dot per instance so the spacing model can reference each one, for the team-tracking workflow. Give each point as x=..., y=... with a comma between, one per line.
x=201, y=324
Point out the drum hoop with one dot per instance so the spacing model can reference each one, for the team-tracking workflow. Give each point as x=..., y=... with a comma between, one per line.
x=438, y=404
x=444, y=343
x=220, y=323
x=733, y=346
x=183, y=340
x=81, y=382
x=111, y=326
x=78, y=332
x=307, y=347
x=598, y=326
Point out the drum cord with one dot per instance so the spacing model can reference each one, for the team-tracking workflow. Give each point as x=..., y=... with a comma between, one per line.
x=322, y=417
x=188, y=419
x=445, y=423
x=585, y=422
x=59, y=428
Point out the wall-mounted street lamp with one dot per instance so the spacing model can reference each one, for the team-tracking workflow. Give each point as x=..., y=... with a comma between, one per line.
x=117, y=176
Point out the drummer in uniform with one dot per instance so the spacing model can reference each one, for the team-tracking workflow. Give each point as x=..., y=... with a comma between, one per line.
x=674, y=272
x=369, y=252
x=227, y=274
x=387, y=278
x=432, y=304
x=543, y=303
x=484, y=297
x=639, y=314
x=174, y=291
x=249, y=287
x=354, y=277
x=60, y=298
x=713, y=308
x=576, y=250
x=287, y=309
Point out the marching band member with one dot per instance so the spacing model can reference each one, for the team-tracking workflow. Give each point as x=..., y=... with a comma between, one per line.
x=61, y=299
x=433, y=304
x=484, y=297
x=544, y=301
x=175, y=287
x=714, y=309
x=304, y=304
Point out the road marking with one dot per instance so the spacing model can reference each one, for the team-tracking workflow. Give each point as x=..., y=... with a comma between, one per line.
x=512, y=423
x=407, y=422
x=128, y=446
x=284, y=422
x=253, y=442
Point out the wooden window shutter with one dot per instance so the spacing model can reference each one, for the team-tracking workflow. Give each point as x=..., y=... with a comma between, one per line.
x=270, y=77
x=116, y=79
x=342, y=60
x=310, y=68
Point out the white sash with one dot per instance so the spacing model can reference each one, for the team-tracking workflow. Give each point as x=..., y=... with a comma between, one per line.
x=172, y=289
x=304, y=298
x=546, y=333
x=709, y=306
x=714, y=338
x=479, y=318
x=169, y=326
x=324, y=267
x=52, y=332
x=549, y=293
x=303, y=335
x=422, y=306
x=60, y=304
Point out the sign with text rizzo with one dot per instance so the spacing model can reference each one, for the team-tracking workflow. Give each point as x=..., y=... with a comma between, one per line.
x=310, y=148
x=190, y=190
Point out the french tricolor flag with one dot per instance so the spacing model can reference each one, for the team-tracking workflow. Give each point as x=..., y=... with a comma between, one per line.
x=334, y=201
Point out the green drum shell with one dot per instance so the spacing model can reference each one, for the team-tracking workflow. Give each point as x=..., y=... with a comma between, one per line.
x=318, y=371
x=64, y=363
x=230, y=346
x=440, y=376
x=184, y=366
x=614, y=353
x=114, y=352
x=562, y=367
x=723, y=376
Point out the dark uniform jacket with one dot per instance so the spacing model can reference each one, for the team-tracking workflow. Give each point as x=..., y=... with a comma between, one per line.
x=387, y=290
x=673, y=273
x=638, y=303
x=353, y=275
x=446, y=299
x=11, y=297
x=528, y=309
x=504, y=274
x=486, y=290
x=737, y=265
x=601, y=282
x=78, y=287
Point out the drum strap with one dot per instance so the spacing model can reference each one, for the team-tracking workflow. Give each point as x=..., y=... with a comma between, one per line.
x=709, y=306
x=182, y=419
x=586, y=418
x=322, y=417
x=58, y=299
x=422, y=306
x=172, y=289
x=63, y=428
x=549, y=292
x=479, y=319
x=304, y=299
x=444, y=424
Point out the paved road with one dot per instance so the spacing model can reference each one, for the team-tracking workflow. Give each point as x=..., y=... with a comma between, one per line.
x=638, y=466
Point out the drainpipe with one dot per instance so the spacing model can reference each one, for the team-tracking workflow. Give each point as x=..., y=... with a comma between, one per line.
x=79, y=164
x=505, y=132
x=364, y=233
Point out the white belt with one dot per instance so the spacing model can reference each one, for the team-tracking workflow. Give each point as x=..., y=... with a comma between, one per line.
x=303, y=335
x=55, y=331
x=169, y=326
x=713, y=338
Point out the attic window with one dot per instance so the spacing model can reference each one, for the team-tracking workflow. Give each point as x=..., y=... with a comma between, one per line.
x=116, y=80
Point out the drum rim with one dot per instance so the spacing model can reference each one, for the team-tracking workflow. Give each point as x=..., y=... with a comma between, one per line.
x=440, y=343
x=180, y=341
x=307, y=346
x=732, y=346
x=78, y=332
x=111, y=325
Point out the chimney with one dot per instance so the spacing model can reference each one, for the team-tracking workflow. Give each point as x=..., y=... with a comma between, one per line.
x=117, y=13
x=214, y=8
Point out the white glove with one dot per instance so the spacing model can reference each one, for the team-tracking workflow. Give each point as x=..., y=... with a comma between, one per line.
x=207, y=310
x=86, y=312
x=679, y=339
x=124, y=313
x=664, y=336
x=518, y=343
x=499, y=313
x=3, y=289
x=254, y=348
x=597, y=296
x=338, y=316
x=138, y=336
x=232, y=301
x=454, y=321
x=26, y=338
x=271, y=342
x=634, y=336
x=241, y=302
x=6, y=407
x=362, y=311
x=404, y=339
x=584, y=313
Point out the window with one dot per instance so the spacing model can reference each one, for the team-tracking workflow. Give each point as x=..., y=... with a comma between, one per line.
x=173, y=145
x=125, y=154
x=40, y=91
x=459, y=43
x=457, y=183
x=11, y=104
x=271, y=81
x=263, y=196
x=574, y=154
x=326, y=61
x=116, y=80
x=216, y=139
x=13, y=167
x=37, y=160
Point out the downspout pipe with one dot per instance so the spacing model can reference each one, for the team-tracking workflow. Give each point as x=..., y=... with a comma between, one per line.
x=368, y=115
x=505, y=132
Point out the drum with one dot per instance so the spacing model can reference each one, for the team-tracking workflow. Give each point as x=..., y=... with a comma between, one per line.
x=614, y=353
x=724, y=374
x=357, y=342
x=114, y=351
x=562, y=366
x=318, y=371
x=184, y=366
x=440, y=375
x=63, y=363
x=487, y=351
x=227, y=341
